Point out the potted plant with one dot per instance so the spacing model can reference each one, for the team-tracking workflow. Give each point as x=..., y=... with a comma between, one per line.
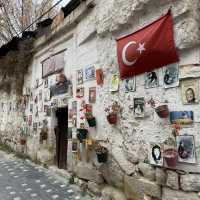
x=22, y=140
x=82, y=132
x=112, y=111
x=161, y=110
x=102, y=153
x=170, y=153
x=87, y=109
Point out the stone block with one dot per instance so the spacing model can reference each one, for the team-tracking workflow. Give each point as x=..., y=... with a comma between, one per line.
x=88, y=172
x=147, y=171
x=94, y=188
x=137, y=187
x=172, y=180
x=112, y=173
x=109, y=193
x=190, y=182
x=161, y=176
x=169, y=194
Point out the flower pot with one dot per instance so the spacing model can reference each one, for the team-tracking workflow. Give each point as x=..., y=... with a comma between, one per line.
x=22, y=141
x=171, y=157
x=112, y=118
x=82, y=135
x=162, y=111
x=91, y=122
x=102, y=156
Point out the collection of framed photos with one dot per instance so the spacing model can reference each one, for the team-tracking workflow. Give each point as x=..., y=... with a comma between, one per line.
x=82, y=76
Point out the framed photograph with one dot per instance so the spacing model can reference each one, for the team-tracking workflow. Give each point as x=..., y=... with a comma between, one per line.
x=79, y=77
x=31, y=108
x=40, y=95
x=74, y=107
x=30, y=120
x=181, y=117
x=54, y=103
x=190, y=91
x=89, y=73
x=47, y=95
x=74, y=145
x=139, y=106
x=36, y=83
x=186, y=148
x=171, y=75
x=156, y=154
x=46, y=83
x=35, y=126
x=129, y=84
x=48, y=113
x=79, y=92
x=92, y=95
x=99, y=76
x=152, y=79
x=114, y=84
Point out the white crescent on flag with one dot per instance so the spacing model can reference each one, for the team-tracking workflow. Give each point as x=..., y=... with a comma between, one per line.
x=124, y=59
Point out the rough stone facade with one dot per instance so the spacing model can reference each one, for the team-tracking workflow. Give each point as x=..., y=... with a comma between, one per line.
x=90, y=40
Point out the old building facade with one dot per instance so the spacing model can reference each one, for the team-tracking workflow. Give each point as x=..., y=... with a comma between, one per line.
x=85, y=38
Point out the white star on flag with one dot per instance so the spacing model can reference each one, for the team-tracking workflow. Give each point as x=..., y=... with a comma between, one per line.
x=141, y=47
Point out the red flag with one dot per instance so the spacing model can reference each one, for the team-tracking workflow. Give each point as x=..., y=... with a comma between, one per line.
x=149, y=48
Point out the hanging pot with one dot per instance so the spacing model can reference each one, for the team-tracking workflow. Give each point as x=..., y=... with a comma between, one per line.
x=91, y=122
x=112, y=118
x=82, y=135
x=102, y=155
x=162, y=111
x=22, y=141
x=171, y=157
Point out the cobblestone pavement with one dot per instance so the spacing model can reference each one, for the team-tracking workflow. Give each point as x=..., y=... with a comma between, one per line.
x=22, y=180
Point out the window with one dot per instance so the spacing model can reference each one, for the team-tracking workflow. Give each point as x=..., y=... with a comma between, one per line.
x=53, y=64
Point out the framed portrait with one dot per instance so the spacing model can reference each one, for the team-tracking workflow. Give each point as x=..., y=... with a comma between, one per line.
x=181, y=117
x=79, y=92
x=46, y=83
x=48, y=112
x=139, y=107
x=171, y=75
x=79, y=76
x=89, y=73
x=99, y=76
x=35, y=126
x=129, y=84
x=152, y=79
x=30, y=120
x=156, y=154
x=190, y=91
x=114, y=84
x=47, y=95
x=74, y=145
x=45, y=108
x=31, y=108
x=54, y=103
x=186, y=148
x=40, y=95
x=92, y=95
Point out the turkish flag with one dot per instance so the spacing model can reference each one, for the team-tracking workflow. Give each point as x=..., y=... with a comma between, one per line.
x=149, y=48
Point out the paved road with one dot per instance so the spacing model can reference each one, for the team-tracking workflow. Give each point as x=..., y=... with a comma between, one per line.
x=21, y=180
